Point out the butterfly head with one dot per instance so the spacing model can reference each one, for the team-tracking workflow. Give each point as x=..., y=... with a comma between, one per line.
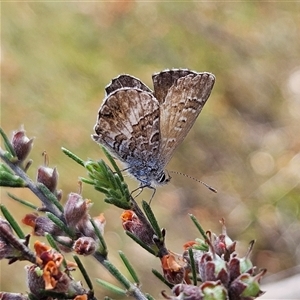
x=162, y=178
x=150, y=176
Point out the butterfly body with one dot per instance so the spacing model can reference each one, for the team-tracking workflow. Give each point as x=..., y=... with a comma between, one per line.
x=143, y=128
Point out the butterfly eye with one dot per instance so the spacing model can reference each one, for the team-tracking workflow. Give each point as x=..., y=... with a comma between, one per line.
x=163, y=178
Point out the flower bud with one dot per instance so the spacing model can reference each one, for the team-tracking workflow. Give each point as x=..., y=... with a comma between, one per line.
x=133, y=224
x=47, y=274
x=187, y=292
x=41, y=225
x=213, y=290
x=6, y=250
x=12, y=296
x=5, y=225
x=76, y=209
x=35, y=280
x=245, y=262
x=48, y=177
x=47, y=278
x=173, y=269
x=246, y=286
x=212, y=268
x=223, y=274
x=21, y=144
x=207, y=291
x=222, y=244
x=85, y=246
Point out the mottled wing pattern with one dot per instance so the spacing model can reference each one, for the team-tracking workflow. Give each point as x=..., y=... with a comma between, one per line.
x=163, y=81
x=182, y=95
x=128, y=124
x=126, y=81
x=143, y=128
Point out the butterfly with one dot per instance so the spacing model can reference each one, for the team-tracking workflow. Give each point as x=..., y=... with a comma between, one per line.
x=142, y=128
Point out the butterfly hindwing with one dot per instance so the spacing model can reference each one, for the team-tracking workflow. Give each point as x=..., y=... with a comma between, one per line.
x=125, y=81
x=163, y=81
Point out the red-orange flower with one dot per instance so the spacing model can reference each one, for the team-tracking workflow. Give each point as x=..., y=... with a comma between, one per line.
x=130, y=220
x=81, y=297
x=50, y=274
x=41, y=225
x=133, y=224
x=174, y=270
x=188, y=245
x=47, y=274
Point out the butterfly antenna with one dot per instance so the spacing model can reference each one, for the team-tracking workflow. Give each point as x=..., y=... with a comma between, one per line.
x=191, y=177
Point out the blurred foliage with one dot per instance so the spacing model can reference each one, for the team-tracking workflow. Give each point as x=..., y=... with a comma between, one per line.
x=58, y=57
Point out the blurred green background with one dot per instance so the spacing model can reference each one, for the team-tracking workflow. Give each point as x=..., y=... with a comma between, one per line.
x=56, y=59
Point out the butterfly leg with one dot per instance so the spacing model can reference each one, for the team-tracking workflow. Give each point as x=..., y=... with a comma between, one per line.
x=140, y=189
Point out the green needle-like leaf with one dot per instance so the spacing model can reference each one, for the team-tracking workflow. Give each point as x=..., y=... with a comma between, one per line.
x=150, y=215
x=7, y=143
x=10, y=219
x=142, y=244
x=60, y=224
x=199, y=227
x=112, y=287
x=52, y=242
x=117, y=274
x=26, y=203
x=73, y=156
x=193, y=266
x=161, y=277
x=113, y=163
x=87, y=181
x=149, y=297
x=50, y=196
x=9, y=179
x=129, y=268
x=83, y=272
x=99, y=235
x=32, y=297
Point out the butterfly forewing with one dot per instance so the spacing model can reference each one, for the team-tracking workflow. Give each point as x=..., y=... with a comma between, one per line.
x=180, y=109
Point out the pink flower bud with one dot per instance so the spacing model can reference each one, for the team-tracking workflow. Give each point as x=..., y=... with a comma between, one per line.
x=21, y=144
x=48, y=177
x=6, y=250
x=12, y=296
x=76, y=209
